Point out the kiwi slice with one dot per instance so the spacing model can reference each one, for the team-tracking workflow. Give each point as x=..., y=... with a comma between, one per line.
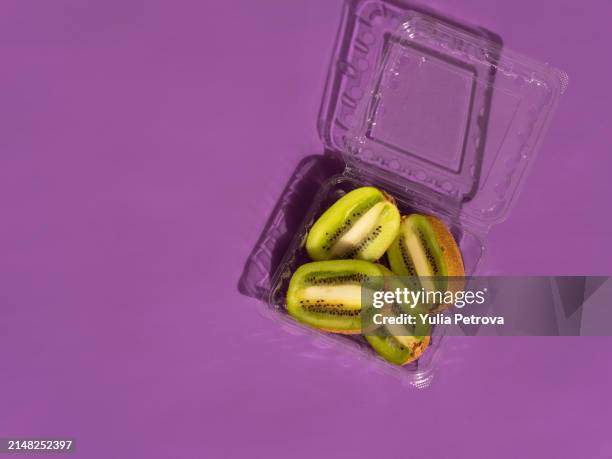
x=327, y=294
x=399, y=350
x=424, y=247
x=397, y=344
x=362, y=224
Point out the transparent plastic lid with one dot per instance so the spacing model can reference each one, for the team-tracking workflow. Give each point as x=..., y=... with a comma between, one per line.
x=428, y=101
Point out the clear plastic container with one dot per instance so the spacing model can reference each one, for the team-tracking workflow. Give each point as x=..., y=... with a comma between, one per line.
x=437, y=114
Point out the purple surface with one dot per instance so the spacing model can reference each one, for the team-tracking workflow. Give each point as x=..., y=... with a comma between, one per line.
x=143, y=146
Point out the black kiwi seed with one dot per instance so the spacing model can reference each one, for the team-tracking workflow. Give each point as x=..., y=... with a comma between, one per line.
x=336, y=280
x=428, y=253
x=366, y=242
x=332, y=309
x=406, y=257
x=343, y=229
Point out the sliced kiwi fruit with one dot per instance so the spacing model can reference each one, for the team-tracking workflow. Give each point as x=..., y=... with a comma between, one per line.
x=425, y=247
x=362, y=225
x=397, y=344
x=399, y=350
x=327, y=294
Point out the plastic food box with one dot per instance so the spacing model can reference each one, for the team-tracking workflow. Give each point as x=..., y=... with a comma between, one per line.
x=437, y=114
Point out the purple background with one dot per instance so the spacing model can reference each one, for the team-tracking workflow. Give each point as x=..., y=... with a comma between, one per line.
x=143, y=145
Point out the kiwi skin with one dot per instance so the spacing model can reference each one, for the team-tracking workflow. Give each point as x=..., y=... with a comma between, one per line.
x=330, y=236
x=452, y=257
x=450, y=251
x=306, y=276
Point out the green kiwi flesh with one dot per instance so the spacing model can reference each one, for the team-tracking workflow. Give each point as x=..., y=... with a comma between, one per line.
x=415, y=251
x=399, y=350
x=327, y=294
x=424, y=247
x=362, y=225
